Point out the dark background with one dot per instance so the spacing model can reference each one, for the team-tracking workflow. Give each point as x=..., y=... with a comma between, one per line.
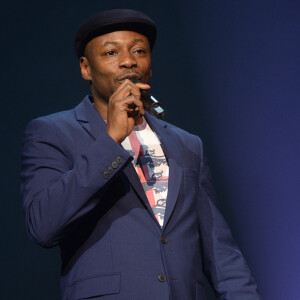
x=228, y=71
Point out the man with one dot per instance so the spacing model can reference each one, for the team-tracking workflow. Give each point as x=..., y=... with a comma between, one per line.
x=126, y=196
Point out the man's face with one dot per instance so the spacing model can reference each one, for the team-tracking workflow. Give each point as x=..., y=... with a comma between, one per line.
x=111, y=58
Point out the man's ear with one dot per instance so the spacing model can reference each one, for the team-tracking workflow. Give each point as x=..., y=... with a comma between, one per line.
x=85, y=68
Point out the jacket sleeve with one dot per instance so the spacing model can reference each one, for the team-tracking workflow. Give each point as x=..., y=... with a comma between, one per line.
x=223, y=262
x=56, y=191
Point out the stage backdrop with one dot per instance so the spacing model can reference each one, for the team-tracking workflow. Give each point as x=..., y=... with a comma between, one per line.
x=228, y=71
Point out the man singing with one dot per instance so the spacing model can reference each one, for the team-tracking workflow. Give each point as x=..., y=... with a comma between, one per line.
x=126, y=196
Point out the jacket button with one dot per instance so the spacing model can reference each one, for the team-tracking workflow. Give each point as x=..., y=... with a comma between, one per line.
x=162, y=277
x=119, y=159
x=105, y=175
x=114, y=164
x=110, y=170
x=164, y=239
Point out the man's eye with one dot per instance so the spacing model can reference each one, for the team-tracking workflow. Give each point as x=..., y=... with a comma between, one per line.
x=140, y=51
x=111, y=52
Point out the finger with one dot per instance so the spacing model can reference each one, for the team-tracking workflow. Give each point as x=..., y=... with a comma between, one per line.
x=134, y=110
x=125, y=89
x=140, y=84
x=136, y=107
x=136, y=115
x=128, y=84
x=143, y=86
x=129, y=102
x=133, y=88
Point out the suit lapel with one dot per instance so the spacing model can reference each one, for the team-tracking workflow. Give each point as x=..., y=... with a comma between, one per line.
x=170, y=144
x=89, y=118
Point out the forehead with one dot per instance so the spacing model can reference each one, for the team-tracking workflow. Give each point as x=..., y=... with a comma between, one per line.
x=123, y=37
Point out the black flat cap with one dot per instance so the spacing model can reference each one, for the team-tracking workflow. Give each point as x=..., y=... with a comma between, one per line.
x=114, y=20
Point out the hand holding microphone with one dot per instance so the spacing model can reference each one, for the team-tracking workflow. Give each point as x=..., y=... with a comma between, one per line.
x=125, y=109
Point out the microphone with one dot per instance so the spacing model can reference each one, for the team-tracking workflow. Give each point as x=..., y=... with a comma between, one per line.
x=154, y=106
x=151, y=104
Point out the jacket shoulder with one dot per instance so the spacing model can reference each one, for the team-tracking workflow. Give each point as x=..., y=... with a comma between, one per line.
x=50, y=124
x=55, y=118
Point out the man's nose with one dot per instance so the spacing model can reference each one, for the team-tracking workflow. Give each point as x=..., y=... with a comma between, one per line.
x=127, y=60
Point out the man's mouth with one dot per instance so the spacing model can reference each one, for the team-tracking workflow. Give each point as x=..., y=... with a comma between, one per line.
x=134, y=77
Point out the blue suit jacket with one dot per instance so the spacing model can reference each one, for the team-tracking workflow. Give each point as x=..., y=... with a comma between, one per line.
x=112, y=247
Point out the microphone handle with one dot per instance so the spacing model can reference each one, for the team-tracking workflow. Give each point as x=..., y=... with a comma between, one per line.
x=152, y=105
